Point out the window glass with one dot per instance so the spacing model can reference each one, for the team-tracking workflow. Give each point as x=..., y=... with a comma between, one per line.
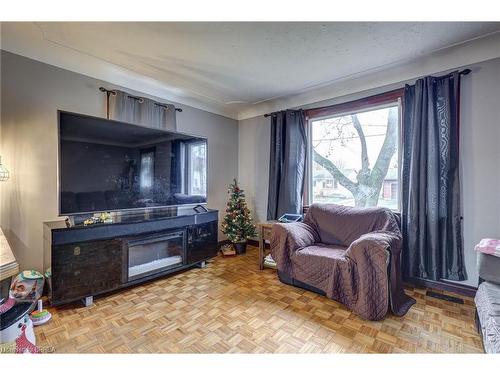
x=197, y=169
x=147, y=170
x=355, y=158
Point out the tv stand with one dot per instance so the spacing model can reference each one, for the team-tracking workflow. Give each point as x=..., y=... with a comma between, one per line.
x=87, y=261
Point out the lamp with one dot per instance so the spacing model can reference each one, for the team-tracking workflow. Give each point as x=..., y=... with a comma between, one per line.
x=4, y=173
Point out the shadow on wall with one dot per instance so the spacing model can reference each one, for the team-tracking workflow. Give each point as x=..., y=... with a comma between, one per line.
x=12, y=217
x=16, y=243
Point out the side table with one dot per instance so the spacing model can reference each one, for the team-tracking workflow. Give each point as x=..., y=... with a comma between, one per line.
x=264, y=235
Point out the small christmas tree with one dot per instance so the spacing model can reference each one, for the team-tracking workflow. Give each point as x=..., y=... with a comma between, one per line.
x=237, y=224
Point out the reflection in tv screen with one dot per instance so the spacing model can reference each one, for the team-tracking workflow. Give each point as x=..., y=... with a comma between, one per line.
x=107, y=165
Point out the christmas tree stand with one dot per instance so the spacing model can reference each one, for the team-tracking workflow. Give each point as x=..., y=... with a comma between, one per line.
x=240, y=247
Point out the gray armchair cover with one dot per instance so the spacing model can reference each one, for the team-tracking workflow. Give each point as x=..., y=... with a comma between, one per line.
x=351, y=254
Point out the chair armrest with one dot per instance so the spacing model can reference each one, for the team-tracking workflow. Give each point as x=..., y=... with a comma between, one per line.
x=288, y=238
x=378, y=242
x=294, y=236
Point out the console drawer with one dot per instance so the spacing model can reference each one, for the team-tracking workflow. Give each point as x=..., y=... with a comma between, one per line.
x=202, y=242
x=85, y=269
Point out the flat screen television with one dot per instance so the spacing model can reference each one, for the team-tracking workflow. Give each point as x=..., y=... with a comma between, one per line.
x=107, y=165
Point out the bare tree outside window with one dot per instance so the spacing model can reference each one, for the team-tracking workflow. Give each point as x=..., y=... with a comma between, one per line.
x=355, y=158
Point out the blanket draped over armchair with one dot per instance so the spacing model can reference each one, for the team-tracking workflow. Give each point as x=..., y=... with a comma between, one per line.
x=351, y=254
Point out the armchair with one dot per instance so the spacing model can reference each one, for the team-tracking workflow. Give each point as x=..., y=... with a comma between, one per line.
x=350, y=254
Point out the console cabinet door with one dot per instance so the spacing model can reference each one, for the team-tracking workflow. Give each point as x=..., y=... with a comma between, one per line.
x=202, y=242
x=85, y=269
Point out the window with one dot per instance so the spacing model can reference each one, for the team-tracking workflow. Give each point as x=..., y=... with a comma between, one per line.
x=355, y=154
x=146, y=175
x=197, y=172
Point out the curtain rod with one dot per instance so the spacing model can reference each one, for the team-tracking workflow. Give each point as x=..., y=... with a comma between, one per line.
x=274, y=113
x=462, y=73
x=138, y=98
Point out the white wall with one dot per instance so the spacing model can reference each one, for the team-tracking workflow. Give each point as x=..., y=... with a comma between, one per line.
x=480, y=158
x=253, y=164
x=480, y=155
x=32, y=92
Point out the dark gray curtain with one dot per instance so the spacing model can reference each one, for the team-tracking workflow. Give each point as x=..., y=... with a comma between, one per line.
x=141, y=111
x=431, y=214
x=176, y=168
x=287, y=163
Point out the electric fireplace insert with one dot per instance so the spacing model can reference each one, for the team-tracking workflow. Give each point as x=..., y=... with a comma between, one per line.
x=156, y=253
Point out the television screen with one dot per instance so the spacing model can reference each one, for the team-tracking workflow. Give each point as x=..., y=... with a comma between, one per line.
x=107, y=165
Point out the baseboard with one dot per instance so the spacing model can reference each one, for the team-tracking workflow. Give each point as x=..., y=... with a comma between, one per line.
x=448, y=286
x=252, y=242
x=445, y=297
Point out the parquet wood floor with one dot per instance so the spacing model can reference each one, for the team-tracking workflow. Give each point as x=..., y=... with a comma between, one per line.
x=232, y=307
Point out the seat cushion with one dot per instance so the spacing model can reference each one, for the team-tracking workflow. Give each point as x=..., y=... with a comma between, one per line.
x=489, y=267
x=488, y=310
x=323, y=250
x=316, y=263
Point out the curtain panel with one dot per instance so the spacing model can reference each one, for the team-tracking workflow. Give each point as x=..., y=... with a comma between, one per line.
x=176, y=169
x=431, y=212
x=141, y=111
x=287, y=163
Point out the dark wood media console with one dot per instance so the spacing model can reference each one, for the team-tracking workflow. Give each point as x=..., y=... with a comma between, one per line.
x=90, y=260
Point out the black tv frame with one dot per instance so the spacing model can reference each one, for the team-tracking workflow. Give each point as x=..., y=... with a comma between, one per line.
x=129, y=210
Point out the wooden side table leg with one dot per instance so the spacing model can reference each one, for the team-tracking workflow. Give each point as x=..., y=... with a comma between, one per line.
x=261, y=248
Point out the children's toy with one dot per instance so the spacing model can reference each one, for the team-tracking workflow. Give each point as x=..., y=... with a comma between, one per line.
x=6, y=305
x=48, y=279
x=16, y=330
x=40, y=316
x=102, y=218
x=27, y=286
x=24, y=345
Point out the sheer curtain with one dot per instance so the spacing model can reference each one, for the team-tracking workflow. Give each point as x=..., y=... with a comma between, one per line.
x=141, y=111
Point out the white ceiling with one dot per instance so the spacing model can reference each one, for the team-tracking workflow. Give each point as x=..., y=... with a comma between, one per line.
x=231, y=68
